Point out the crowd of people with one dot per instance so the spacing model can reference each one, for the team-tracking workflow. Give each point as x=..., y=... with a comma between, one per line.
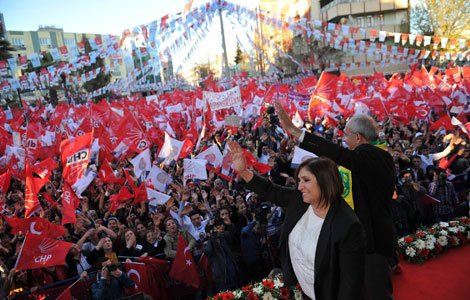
x=237, y=230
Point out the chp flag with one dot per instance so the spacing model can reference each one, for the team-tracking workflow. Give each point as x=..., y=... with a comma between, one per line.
x=75, y=154
x=39, y=252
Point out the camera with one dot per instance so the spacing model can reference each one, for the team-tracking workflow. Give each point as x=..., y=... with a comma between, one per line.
x=261, y=212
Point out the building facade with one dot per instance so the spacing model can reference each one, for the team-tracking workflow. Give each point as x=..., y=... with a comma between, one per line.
x=386, y=15
x=50, y=37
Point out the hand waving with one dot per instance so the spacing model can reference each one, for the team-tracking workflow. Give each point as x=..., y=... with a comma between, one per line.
x=285, y=120
x=239, y=161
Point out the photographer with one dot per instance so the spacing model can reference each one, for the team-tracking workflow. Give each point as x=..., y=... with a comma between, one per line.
x=443, y=191
x=221, y=258
x=410, y=194
x=111, y=281
x=253, y=247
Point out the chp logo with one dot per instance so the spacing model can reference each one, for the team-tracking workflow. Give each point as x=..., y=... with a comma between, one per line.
x=67, y=197
x=77, y=157
x=45, y=247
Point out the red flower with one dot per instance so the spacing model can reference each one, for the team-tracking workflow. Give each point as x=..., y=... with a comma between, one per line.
x=424, y=253
x=268, y=283
x=453, y=240
x=431, y=230
x=408, y=239
x=284, y=293
x=420, y=234
x=247, y=289
x=252, y=296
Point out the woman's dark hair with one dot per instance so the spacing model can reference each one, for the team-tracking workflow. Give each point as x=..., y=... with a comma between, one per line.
x=328, y=178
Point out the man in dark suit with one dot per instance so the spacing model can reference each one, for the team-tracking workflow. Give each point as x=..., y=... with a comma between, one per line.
x=373, y=177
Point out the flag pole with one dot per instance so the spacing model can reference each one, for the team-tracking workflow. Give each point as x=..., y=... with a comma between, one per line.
x=21, y=251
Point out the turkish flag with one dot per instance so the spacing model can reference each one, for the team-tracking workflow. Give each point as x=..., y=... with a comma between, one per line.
x=187, y=148
x=39, y=252
x=138, y=273
x=69, y=201
x=75, y=154
x=35, y=226
x=443, y=121
x=156, y=270
x=5, y=179
x=184, y=269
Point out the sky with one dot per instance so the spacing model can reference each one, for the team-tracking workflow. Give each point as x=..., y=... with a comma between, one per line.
x=107, y=17
x=86, y=16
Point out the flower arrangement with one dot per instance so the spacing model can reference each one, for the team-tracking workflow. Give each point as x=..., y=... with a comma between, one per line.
x=267, y=289
x=429, y=242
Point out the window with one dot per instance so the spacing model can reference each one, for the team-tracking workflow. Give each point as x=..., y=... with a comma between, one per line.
x=370, y=21
x=18, y=43
x=360, y=21
x=381, y=19
x=69, y=42
x=45, y=41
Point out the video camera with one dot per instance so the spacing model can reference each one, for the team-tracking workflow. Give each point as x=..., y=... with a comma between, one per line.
x=262, y=211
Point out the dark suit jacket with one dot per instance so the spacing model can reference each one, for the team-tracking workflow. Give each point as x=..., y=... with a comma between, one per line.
x=373, y=181
x=340, y=253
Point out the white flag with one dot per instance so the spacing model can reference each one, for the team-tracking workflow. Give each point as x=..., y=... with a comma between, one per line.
x=212, y=155
x=82, y=184
x=456, y=122
x=171, y=150
x=159, y=178
x=194, y=169
x=142, y=163
x=300, y=155
x=156, y=198
x=297, y=120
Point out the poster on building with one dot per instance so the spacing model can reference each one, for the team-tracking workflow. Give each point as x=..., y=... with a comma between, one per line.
x=227, y=99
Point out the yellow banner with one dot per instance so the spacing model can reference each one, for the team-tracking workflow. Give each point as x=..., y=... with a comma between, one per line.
x=347, y=183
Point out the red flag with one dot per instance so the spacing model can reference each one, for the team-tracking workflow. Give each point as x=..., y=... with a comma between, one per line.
x=32, y=186
x=69, y=200
x=65, y=295
x=39, y=252
x=5, y=179
x=123, y=195
x=138, y=273
x=36, y=226
x=140, y=194
x=187, y=148
x=130, y=180
x=48, y=198
x=183, y=268
x=156, y=269
x=75, y=154
x=443, y=121
x=44, y=168
x=106, y=174
x=251, y=161
x=325, y=92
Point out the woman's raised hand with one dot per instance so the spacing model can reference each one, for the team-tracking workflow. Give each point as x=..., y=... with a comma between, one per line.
x=238, y=158
x=239, y=161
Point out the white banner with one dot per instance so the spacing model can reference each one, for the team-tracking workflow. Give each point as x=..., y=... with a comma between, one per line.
x=223, y=100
